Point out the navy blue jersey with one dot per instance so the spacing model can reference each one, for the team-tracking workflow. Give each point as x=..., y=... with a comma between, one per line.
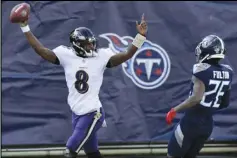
x=217, y=80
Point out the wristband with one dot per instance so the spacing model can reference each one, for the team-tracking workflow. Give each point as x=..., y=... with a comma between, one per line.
x=25, y=28
x=138, y=40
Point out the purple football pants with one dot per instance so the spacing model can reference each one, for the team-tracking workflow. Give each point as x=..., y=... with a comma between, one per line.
x=84, y=131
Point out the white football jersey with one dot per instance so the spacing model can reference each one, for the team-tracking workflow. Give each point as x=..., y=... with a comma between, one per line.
x=84, y=77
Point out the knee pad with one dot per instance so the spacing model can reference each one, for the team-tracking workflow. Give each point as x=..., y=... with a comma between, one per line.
x=94, y=155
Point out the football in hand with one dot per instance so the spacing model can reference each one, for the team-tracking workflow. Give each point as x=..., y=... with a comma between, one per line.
x=20, y=13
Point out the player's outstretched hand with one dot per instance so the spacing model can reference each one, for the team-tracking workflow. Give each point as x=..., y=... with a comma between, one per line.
x=170, y=116
x=20, y=13
x=142, y=27
x=22, y=24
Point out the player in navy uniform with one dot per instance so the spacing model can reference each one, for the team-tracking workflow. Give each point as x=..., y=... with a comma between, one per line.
x=84, y=66
x=210, y=91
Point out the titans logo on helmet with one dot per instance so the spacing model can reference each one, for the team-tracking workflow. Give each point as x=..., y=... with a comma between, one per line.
x=148, y=68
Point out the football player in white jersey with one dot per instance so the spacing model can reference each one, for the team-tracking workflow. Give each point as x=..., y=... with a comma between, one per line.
x=84, y=66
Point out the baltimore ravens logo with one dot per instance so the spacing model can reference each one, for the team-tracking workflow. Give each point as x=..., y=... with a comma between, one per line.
x=148, y=68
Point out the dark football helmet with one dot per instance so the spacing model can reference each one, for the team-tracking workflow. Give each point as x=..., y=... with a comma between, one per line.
x=211, y=47
x=84, y=42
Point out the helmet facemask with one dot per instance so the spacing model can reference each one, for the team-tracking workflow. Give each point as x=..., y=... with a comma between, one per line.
x=85, y=48
x=84, y=42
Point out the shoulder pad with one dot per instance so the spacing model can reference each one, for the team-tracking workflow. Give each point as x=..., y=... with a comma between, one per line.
x=61, y=50
x=200, y=67
x=227, y=66
x=61, y=47
x=105, y=51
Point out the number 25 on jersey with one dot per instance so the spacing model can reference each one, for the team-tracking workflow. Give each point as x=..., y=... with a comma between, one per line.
x=81, y=81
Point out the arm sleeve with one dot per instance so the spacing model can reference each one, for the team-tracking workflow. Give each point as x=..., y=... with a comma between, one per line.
x=225, y=101
x=59, y=51
x=106, y=54
x=199, y=71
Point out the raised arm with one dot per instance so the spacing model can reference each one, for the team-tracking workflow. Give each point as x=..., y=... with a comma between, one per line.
x=44, y=52
x=138, y=41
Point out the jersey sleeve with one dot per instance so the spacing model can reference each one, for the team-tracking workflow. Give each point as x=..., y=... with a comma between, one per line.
x=200, y=71
x=105, y=55
x=231, y=71
x=59, y=52
x=225, y=100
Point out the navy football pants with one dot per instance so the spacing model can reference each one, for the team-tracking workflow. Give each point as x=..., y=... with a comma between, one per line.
x=187, y=142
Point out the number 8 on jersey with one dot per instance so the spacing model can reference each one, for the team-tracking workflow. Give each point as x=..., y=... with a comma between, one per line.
x=81, y=81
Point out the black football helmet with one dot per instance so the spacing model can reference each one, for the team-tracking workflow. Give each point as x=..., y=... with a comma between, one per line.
x=84, y=42
x=211, y=47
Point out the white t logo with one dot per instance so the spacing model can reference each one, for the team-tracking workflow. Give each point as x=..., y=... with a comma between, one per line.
x=148, y=64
